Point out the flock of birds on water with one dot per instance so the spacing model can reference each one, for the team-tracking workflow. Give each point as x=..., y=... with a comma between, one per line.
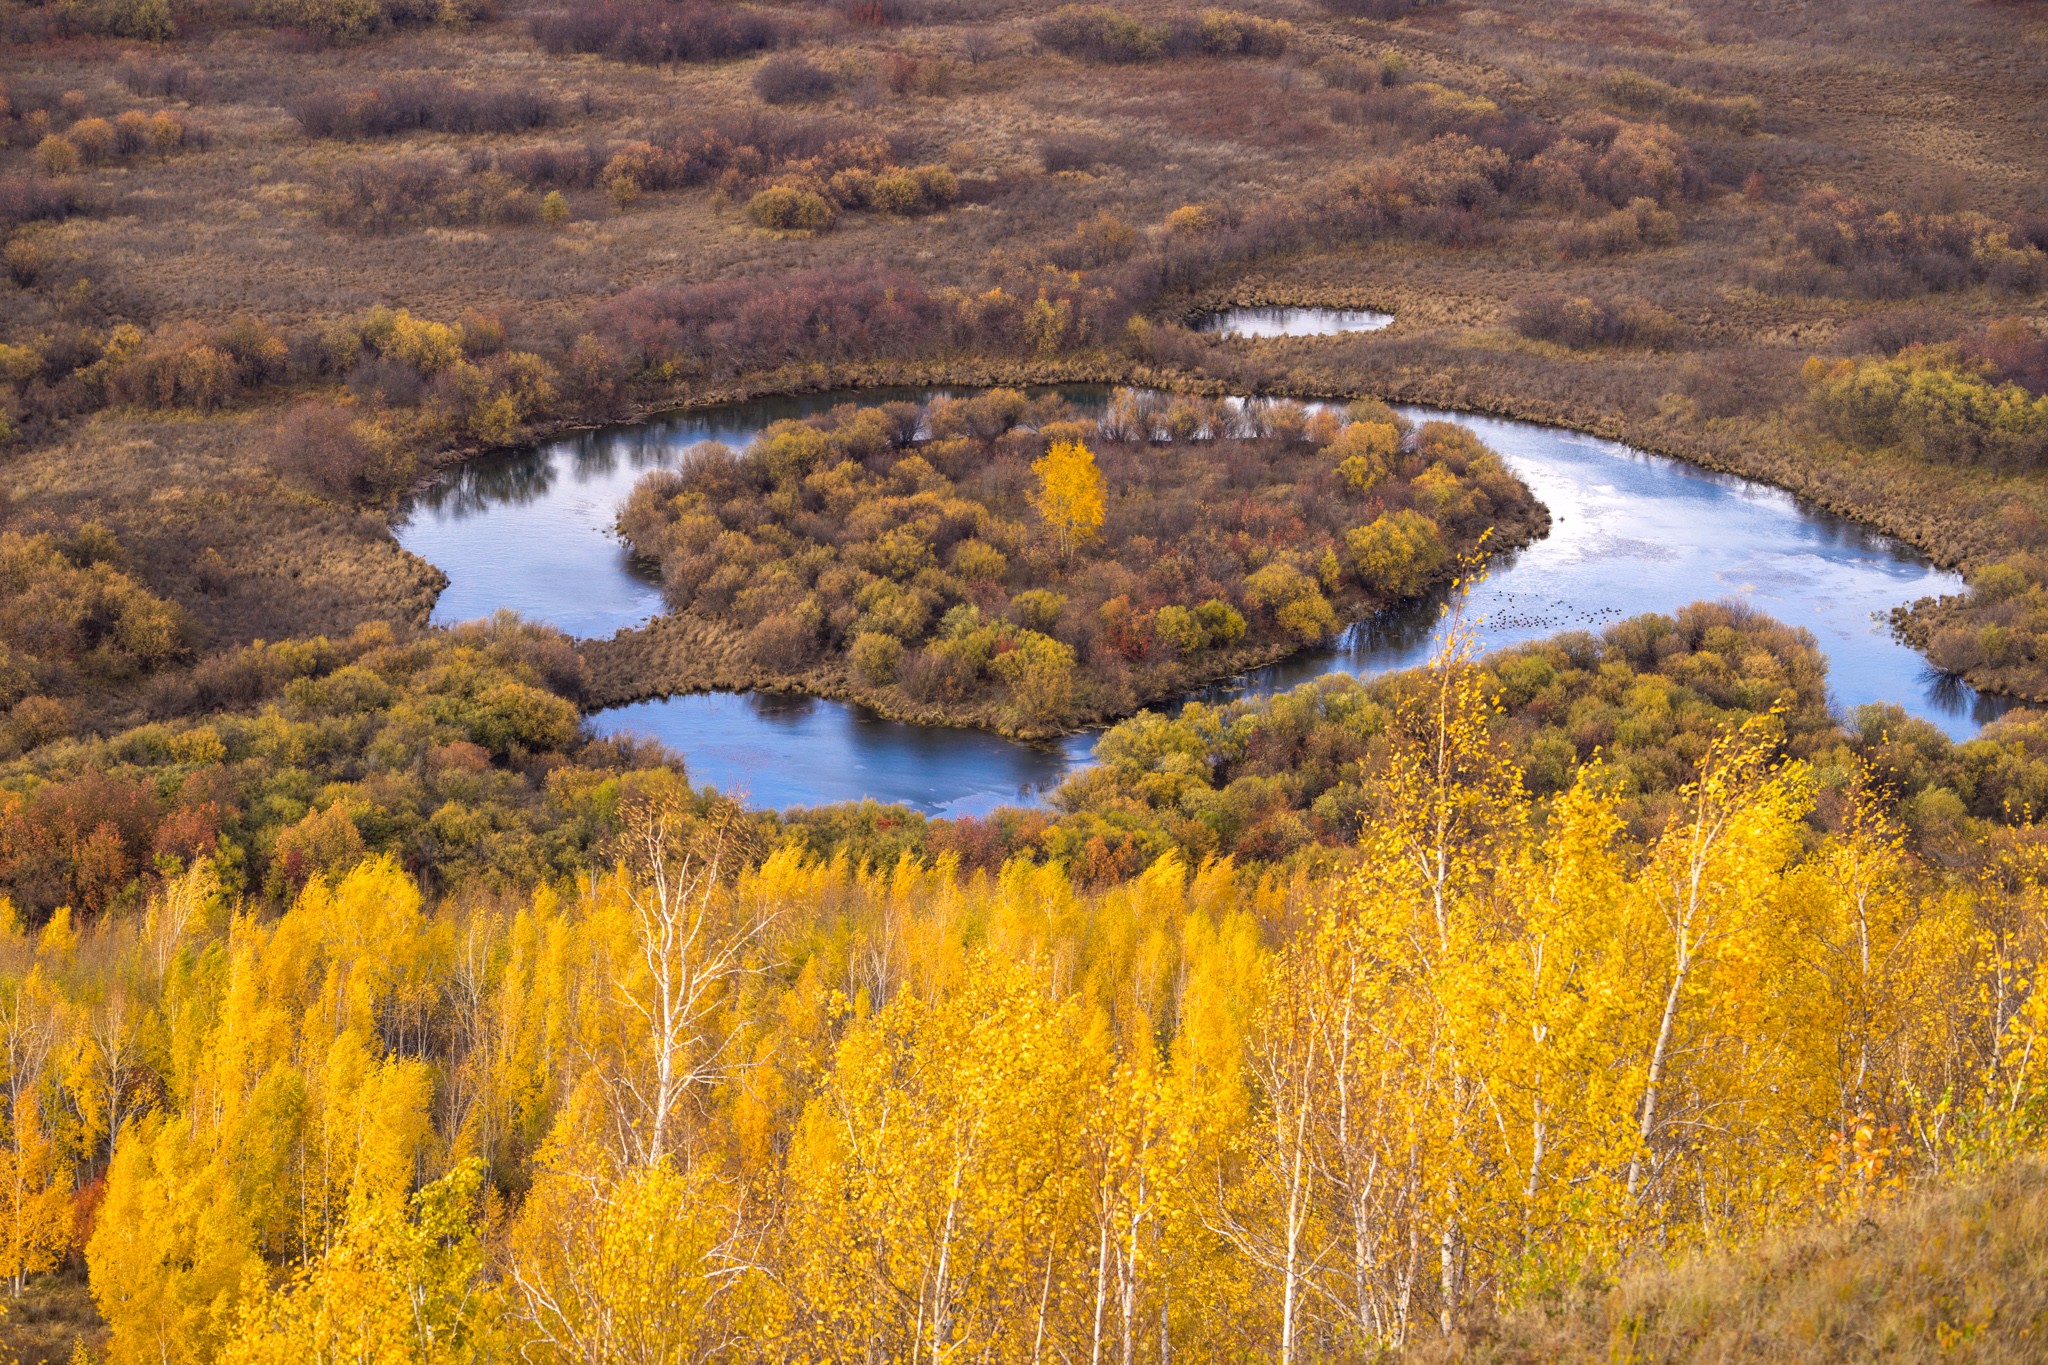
x=1557, y=616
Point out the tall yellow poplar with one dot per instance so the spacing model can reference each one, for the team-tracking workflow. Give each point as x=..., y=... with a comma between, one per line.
x=1070, y=492
x=35, y=1198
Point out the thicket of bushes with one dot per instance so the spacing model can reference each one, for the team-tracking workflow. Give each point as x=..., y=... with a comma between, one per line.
x=1288, y=777
x=434, y=106
x=1840, y=244
x=458, y=755
x=1930, y=401
x=1284, y=776
x=728, y=327
x=66, y=136
x=790, y=79
x=1645, y=95
x=1450, y=189
x=1640, y=223
x=654, y=33
x=451, y=752
x=390, y=193
x=1102, y=34
x=933, y=567
x=814, y=203
x=1593, y=321
x=72, y=616
x=345, y=21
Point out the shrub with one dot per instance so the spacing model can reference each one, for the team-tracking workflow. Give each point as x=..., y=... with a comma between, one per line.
x=185, y=366
x=790, y=79
x=330, y=450
x=937, y=675
x=334, y=21
x=1640, y=94
x=26, y=200
x=1178, y=627
x=149, y=21
x=1039, y=672
x=1294, y=601
x=692, y=31
x=1928, y=401
x=1365, y=452
x=731, y=326
x=56, y=156
x=2011, y=351
x=924, y=189
x=1100, y=34
x=1038, y=608
x=1226, y=32
x=384, y=195
x=1585, y=321
x=78, y=612
x=94, y=138
x=875, y=657
x=782, y=642
x=1844, y=245
x=1397, y=555
x=167, y=133
x=787, y=208
x=1075, y=152
x=1354, y=74
x=163, y=79
x=408, y=106
x=1639, y=223
x=1372, y=9
x=1223, y=623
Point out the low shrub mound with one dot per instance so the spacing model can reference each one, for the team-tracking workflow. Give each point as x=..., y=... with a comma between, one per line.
x=790, y=79
x=1100, y=33
x=407, y=106
x=1842, y=245
x=1936, y=402
x=657, y=33
x=1591, y=321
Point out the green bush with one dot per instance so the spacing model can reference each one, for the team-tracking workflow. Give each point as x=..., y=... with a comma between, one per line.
x=875, y=656
x=1928, y=401
x=788, y=209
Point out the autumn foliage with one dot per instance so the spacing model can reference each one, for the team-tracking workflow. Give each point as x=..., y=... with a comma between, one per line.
x=1006, y=556
x=708, y=1097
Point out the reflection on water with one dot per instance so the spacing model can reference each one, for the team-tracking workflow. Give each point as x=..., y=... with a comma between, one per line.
x=1957, y=699
x=1291, y=322
x=775, y=750
x=1630, y=533
x=534, y=529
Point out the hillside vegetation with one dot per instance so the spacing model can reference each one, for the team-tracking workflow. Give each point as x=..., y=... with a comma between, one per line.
x=709, y=1097
x=1605, y=998
x=1954, y=1275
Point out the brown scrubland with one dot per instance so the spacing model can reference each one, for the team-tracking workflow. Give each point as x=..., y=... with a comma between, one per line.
x=329, y=937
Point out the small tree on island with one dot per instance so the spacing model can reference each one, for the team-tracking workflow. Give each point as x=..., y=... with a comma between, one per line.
x=1070, y=493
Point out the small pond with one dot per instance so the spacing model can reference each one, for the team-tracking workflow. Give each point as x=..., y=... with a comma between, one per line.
x=1291, y=322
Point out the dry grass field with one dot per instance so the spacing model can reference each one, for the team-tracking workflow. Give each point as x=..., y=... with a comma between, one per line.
x=1952, y=1275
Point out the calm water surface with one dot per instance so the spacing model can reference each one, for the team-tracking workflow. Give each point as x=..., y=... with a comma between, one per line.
x=1292, y=322
x=533, y=531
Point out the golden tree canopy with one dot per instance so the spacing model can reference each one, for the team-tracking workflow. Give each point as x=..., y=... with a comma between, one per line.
x=1070, y=492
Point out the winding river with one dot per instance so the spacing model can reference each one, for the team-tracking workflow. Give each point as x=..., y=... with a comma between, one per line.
x=532, y=530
